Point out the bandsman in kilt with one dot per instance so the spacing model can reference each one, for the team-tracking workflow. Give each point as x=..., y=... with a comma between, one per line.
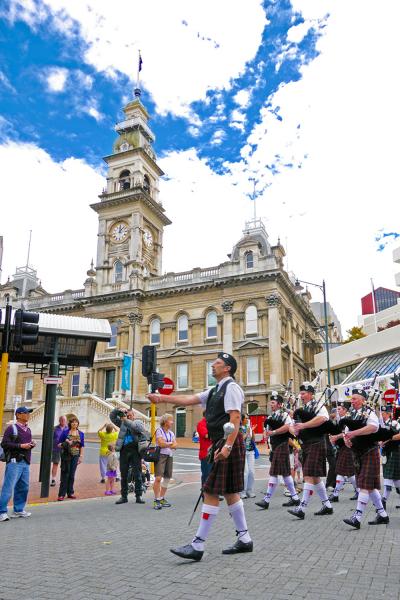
x=277, y=430
x=309, y=428
x=390, y=455
x=223, y=404
x=344, y=460
x=359, y=436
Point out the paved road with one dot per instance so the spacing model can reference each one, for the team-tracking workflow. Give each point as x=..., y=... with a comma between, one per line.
x=94, y=550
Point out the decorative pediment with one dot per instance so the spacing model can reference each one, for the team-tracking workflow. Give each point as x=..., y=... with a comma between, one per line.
x=252, y=344
x=180, y=352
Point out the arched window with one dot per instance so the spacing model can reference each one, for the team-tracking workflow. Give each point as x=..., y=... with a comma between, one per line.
x=118, y=271
x=124, y=180
x=146, y=184
x=249, y=260
x=251, y=320
x=211, y=324
x=155, y=331
x=183, y=328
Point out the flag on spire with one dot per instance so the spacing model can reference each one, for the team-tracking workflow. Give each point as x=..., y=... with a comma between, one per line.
x=140, y=62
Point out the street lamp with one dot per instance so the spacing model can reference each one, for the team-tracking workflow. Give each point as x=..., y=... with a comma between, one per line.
x=298, y=287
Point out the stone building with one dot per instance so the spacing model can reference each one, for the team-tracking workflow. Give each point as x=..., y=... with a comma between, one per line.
x=247, y=305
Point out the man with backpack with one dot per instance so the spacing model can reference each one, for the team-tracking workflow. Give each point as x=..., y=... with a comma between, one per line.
x=17, y=444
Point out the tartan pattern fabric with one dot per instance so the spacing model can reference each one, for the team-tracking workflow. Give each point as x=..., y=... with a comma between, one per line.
x=391, y=470
x=368, y=476
x=313, y=459
x=345, y=462
x=227, y=476
x=280, y=464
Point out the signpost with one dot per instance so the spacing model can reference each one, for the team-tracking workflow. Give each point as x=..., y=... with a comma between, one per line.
x=52, y=380
x=390, y=396
x=168, y=388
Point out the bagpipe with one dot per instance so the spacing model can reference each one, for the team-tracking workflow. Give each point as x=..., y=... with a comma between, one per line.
x=393, y=428
x=274, y=422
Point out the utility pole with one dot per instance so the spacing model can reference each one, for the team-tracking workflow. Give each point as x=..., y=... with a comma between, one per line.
x=5, y=346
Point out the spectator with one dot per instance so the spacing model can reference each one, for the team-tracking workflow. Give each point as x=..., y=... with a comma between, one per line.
x=130, y=431
x=107, y=437
x=249, y=467
x=17, y=444
x=205, y=443
x=166, y=440
x=145, y=473
x=111, y=470
x=72, y=442
x=56, y=454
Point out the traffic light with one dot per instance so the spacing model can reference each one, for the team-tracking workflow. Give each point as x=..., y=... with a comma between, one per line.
x=26, y=328
x=149, y=360
x=157, y=381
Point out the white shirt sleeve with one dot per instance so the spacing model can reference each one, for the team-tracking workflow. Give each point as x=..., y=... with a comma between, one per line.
x=288, y=420
x=234, y=397
x=323, y=413
x=373, y=420
x=202, y=396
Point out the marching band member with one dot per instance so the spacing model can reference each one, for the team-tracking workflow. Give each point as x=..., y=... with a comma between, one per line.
x=277, y=429
x=390, y=455
x=344, y=460
x=359, y=436
x=309, y=427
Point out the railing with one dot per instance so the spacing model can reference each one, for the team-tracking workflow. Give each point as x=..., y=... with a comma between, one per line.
x=135, y=122
x=172, y=279
x=62, y=298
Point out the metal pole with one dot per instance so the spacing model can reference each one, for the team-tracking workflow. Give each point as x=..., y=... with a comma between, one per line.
x=48, y=425
x=4, y=359
x=328, y=366
x=132, y=361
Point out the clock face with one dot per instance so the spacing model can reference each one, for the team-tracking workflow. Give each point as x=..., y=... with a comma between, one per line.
x=119, y=232
x=147, y=238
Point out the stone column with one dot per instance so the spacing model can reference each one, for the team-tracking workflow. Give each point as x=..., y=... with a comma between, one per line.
x=227, y=337
x=135, y=318
x=12, y=383
x=274, y=337
x=289, y=314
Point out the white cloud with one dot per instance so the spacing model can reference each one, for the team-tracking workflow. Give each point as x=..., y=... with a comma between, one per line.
x=5, y=82
x=64, y=228
x=56, y=79
x=242, y=98
x=93, y=112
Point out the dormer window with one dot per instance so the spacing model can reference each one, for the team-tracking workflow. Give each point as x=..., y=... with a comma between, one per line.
x=249, y=260
x=124, y=180
x=124, y=147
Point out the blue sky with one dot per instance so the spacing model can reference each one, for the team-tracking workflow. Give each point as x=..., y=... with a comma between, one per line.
x=279, y=93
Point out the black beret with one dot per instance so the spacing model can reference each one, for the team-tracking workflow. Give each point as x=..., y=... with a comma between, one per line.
x=229, y=360
x=307, y=387
x=360, y=391
x=275, y=396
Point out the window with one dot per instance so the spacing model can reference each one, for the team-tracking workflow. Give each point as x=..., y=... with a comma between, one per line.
x=28, y=393
x=155, y=331
x=75, y=384
x=118, y=271
x=183, y=326
x=251, y=320
x=146, y=184
x=252, y=370
x=182, y=376
x=249, y=260
x=210, y=381
x=124, y=180
x=114, y=334
x=211, y=324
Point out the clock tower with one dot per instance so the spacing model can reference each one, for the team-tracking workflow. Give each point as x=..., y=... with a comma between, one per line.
x=131, y=217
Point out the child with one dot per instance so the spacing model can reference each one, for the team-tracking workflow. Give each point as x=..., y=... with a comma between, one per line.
x=111, y=473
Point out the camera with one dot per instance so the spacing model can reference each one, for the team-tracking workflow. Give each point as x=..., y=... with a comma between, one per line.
x=120, y=414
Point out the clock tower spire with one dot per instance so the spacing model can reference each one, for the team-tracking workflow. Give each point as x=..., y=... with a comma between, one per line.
x=131, y=216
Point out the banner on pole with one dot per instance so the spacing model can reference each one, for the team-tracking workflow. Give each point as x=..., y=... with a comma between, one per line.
x=126, y=373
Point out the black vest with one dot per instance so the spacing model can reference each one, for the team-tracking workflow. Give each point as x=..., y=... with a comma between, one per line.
x=273, y=422
x=305, y=414
x=216, y=416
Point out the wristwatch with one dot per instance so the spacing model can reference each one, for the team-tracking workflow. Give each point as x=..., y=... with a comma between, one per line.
x=228, y=446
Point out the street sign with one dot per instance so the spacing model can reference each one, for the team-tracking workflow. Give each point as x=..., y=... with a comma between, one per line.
x=390, y=396
x=53, y=380
x=168, y=388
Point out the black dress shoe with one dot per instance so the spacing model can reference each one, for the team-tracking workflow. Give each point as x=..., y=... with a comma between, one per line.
x=355, y=497
x=324, y=511
x=297, y=513
x=238, y=547
x=292, y=502
x=379, y=520
x=187, y=552
x=263, y=504
x=353, y=522
x=333, y=498
x=122, y=500
x=139, y=500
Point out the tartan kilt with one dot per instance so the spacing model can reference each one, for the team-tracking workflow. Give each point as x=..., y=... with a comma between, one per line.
x=368, y=476
x=345, y=462
x=280, y=461
x=313, y=459
x=391, y=470
x=227, y=476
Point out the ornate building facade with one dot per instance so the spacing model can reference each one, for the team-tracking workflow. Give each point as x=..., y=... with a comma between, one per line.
x=247, y=305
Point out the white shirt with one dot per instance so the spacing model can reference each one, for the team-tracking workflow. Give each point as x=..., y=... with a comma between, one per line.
x=234, y=396
x=321, y=413
x=287, y=420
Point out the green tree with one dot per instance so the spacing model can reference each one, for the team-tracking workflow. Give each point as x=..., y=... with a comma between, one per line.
x=354, y=333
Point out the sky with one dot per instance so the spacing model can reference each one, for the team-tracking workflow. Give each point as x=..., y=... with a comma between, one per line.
x=297, y=98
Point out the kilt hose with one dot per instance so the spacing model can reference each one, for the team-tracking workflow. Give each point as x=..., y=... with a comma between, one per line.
x=226, y=476
x=391, y=470
x=345, y=462
x=313, y=459
x=368, y=469
x=280, y=464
